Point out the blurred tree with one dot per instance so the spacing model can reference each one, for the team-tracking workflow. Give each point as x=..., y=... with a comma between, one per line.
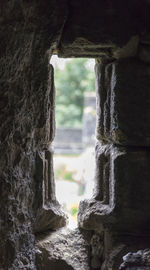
x=71, y=83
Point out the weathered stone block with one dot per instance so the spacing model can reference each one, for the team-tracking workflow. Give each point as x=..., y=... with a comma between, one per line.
x=49, y=218
x=117, y=35
x=139, y=260
x=28, y=30
x=124, y=102
x=122, y=183
x=48, y=214
x=63, y=249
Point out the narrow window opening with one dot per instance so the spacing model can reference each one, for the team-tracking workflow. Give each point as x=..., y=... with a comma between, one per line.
x=74, y=161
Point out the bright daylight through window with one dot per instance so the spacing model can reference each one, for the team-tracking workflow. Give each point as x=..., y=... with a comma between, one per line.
x=74, y=142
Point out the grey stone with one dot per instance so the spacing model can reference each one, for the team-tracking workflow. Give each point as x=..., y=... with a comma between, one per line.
x=64, y=248
x=114, y=28
x=50, y=217
x=48, y=213
x=138, y=260
x=27, y=31
x=122, y=198
x=114, y=257
x=124, y=101
x=97, y=250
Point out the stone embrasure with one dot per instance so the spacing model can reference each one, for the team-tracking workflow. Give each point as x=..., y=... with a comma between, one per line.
x=109, y=30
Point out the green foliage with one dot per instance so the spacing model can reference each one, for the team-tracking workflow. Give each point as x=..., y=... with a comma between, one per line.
x=68, y=176
x=74, y=211
x=71, y=83
x=63, y=174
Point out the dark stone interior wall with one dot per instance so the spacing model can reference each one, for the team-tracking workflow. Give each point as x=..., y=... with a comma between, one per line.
x=29, y=31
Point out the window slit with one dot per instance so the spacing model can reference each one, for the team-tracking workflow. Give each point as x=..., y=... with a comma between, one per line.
x=74, y=155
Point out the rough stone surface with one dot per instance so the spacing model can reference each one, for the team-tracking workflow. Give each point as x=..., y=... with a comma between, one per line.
x=114, y=257
x=136, y=261
x=64, y=249
x=27, y=31
x=122, y=198
x=97, y=250
x=50, y=217
x=123, y=105
x=48, y=214
x=114, y=28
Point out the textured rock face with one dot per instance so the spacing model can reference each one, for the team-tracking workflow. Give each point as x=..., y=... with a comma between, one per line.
x=123, y=105
x=104, y=28
x=64, y=249
x=27, y=31
x=137, y=260
x=120, y=204
x=120, y=199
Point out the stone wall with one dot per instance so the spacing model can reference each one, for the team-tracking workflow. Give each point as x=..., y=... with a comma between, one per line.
x=121, y=199
x=28, y=29
x=118, y=34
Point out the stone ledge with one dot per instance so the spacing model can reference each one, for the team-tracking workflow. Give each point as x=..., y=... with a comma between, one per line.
x=49, y=218
x=64, y=249
x=93, y=215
